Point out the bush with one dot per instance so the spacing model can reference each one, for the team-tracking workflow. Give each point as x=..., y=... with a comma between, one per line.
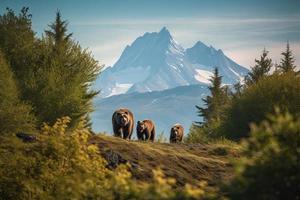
x=196, y=134
x=59, y=164
x=269, y=167
x=14, y=114
x=256, y=101
x=204, y=133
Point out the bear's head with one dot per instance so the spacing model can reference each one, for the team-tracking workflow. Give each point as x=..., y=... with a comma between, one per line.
x=175, y=130
x=141, y=126
x=122, y=117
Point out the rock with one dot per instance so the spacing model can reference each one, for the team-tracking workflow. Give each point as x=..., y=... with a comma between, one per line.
x=26, y=137
x=114, y=160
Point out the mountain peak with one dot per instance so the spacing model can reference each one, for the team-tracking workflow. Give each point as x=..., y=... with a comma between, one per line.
x=165, y=32
x=164, y=29
x=199, y=44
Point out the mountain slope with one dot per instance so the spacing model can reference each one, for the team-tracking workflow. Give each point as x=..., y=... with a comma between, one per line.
x=155, y=61
x=206, y=58
x=165, y=108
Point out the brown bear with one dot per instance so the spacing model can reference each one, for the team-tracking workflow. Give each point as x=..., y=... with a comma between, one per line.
x=145, y=130
x=176, y=134
x=123, y=122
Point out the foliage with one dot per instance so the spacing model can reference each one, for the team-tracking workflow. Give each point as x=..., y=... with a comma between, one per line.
x=205, y=133
x=14, y=115
x=54, y=73
x=261, y=68
x=287, y=62
x=214, y=103
x=59, y=164
x=269, y=167
x=63, y=164
x=212, y=112
x=58, y=32
x=196, y=134
x=257, y=100
x=16, y=41
x=160, y=138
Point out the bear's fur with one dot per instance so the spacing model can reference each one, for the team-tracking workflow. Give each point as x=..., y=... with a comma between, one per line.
x=176, y=133
x=145, y=130
x=123, y=122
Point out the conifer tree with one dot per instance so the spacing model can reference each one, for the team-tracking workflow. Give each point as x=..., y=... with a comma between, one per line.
x=215, y=102
x=58, y=31
x=288, y=60
x=66, y=77
x=260, y=69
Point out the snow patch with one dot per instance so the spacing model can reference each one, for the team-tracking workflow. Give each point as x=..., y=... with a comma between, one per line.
x=120, y=89
x=235, y=73
x=203, y=75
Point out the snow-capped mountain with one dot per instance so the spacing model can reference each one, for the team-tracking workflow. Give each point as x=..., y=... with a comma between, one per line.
x=155, y=62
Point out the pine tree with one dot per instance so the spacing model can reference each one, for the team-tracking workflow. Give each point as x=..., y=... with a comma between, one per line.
x=288, y=60
x=65, y=77
x=261, y=68
x=215, y=102
x=58, y=31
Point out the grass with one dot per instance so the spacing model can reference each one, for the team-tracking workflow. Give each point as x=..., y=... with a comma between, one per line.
x=187, y=163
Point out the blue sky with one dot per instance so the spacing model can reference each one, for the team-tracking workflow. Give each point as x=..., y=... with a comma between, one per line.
x=240, y=28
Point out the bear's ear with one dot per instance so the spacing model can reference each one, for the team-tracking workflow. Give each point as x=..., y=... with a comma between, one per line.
x=139, y=122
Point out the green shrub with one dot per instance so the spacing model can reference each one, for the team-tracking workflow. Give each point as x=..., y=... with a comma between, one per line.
x=58, y=165
x=257, y=100
x=204, y=133
x=269, y=167
x=14, y=115
x=196, y=134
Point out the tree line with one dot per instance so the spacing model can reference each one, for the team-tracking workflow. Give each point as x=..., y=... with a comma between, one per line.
x=229, y=112
x=263, y=116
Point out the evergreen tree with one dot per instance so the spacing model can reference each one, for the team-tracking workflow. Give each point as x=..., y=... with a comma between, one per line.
x=288, y=60
x=214, y=103
x=58, y=32
x=14, y=115
x=261, y=68
x=65, y=77
x=238, y=89
x=54, y=74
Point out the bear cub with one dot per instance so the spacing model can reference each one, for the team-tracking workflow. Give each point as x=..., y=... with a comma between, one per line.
x=145, y=130
x=176, y=133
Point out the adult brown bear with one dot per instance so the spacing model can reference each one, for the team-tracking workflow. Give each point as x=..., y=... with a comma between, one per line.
x=145, y=130
x=123, y=122
x=176, y=134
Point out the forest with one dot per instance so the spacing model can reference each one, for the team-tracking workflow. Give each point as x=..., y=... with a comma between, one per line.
x=246, y=147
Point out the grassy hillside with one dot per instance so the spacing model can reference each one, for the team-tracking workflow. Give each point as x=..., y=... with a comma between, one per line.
x=187, y=163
